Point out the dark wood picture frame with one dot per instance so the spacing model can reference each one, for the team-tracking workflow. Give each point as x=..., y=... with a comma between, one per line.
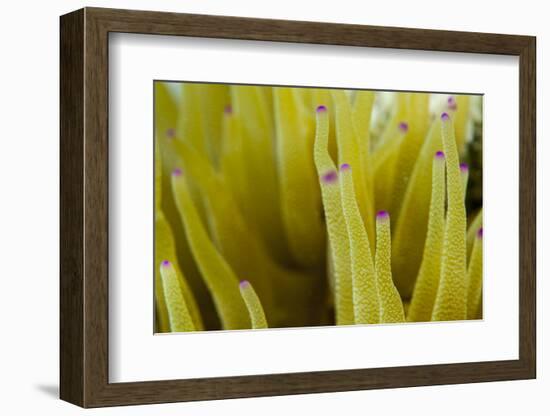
x=84, y=207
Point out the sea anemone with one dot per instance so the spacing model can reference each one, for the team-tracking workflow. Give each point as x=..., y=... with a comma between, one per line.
x=290, y=207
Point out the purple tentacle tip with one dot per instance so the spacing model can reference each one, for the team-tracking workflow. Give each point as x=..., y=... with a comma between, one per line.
x=464, y=167
x=404, y=127
x=480, y=233
x=176, y=172
x=244, y=283
x=321, y=109
x=383, y=215
x=329, y=177
x=165, y=263
x=171, y=133
x=345, y=166
x=451, y=103
x=440, y=155
x=228, y=109
x=445, y=116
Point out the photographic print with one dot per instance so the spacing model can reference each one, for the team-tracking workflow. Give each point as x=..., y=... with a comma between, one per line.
x=281, y=207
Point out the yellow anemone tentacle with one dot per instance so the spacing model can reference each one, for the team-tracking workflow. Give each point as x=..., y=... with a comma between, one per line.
x=165, y=248
x=334, y=218
x=427, y=282
x=464, y=173
x=214, y=98
x=450, y=303
x=349, y=152
x=178, y=313
x=461, y=117
x=362, y=115
x=391, y=306
x=365, y=293
x=475, y=277
x=384, y=165
x=299, y=189
x=418, y=121
x=277, y=286
x=409, y=233
x=253, y=304
x=261, y=200
x=476, y=224
x=190, y=127
x=218, y=276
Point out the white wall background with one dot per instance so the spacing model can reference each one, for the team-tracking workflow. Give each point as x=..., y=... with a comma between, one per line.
x=29, y=158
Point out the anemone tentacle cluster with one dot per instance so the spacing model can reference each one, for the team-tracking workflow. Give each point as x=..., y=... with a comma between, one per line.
x=288, y=207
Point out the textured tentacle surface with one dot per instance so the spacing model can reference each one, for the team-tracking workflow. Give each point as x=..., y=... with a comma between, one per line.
x=334, y=218
x=391, y=307
x=178, y=314
x=450, y=302
x=412, y=224
x=365, y=293
x=427, y=282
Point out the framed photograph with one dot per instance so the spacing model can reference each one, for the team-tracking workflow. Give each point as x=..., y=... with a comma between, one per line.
x=255, y=207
